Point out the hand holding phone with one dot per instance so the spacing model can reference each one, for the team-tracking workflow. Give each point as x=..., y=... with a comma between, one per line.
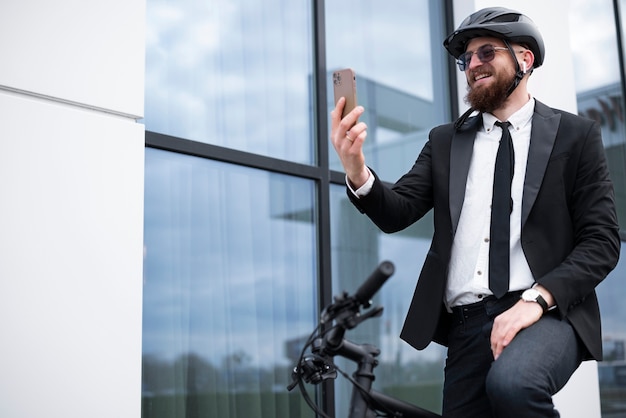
x=344, y=85
x=347, y=133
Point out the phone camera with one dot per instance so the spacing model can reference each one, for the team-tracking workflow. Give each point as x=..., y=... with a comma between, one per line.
x=336, y=79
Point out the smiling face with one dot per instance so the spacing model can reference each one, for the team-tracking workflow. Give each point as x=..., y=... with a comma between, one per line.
x=489, y=82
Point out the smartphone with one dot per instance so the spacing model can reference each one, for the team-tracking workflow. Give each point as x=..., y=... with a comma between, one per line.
x=344, y=85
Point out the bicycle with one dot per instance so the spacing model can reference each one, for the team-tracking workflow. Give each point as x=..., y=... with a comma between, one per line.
x=327, y=341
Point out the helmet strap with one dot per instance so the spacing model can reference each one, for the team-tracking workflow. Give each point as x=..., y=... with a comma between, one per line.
x=519, y=74
x=463, y=118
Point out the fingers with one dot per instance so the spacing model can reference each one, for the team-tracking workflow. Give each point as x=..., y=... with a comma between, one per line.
x=509, y=323
x=501, y=336
x=347, y=136
x=347, y=130
x=505, y=328
x=357, y=133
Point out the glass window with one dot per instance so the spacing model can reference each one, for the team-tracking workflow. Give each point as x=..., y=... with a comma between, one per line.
x=358, y=247
x=232, y=73
x=229, y=288
x=599, y=97
x=395, y=48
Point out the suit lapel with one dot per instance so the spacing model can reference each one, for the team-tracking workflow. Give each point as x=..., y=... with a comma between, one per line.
x=460, y=157
x=543, y=134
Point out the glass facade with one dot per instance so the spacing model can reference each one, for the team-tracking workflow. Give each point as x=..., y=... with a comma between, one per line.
x=357, y=247
x=405, y=88
x=229, y=286
x=248, y=230
x=404, y=91
x=232, y=73
x=599, y=93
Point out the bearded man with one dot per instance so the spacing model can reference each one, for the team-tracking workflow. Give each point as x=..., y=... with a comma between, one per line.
x=525, y=227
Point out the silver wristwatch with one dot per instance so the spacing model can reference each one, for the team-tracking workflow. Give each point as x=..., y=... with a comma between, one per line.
x=533, y=295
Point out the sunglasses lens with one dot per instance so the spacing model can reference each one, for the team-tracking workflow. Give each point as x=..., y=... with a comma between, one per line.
x=485, y=53
x=464, y=60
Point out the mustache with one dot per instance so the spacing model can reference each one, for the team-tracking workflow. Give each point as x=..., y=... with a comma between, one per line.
x=482, y=69
x=490, y=97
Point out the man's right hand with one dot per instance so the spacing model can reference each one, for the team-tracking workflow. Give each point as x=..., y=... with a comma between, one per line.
x=347, y=136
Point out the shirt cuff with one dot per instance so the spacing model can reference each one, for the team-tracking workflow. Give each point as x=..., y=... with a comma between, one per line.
x=365, y=189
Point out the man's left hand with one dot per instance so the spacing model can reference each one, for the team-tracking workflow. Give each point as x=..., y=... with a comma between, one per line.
x=510, y=322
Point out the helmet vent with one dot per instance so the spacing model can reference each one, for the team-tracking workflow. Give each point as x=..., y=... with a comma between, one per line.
x=509, y=17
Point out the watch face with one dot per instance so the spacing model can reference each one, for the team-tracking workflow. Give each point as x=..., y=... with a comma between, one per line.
x=530, y=295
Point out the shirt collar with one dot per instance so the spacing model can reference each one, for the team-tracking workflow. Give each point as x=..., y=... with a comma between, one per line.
x=518, y=119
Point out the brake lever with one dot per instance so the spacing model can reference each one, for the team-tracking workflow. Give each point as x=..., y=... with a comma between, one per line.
x=314, y=370
x=372, y=313
x=342, y=304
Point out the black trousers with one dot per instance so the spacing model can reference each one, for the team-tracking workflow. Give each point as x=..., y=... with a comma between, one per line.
x=537, y=364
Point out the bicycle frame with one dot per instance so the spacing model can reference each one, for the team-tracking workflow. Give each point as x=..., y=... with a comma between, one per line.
x=365, y=356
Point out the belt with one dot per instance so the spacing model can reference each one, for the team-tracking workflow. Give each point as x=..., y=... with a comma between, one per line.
x=488, y=308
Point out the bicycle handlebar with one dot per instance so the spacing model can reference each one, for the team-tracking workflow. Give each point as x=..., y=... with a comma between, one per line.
x=345, y=309
x=346, y=314
x=373, y=283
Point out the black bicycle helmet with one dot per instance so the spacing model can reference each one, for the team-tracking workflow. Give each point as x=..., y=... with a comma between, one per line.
x=498, y=22
x=502, y=23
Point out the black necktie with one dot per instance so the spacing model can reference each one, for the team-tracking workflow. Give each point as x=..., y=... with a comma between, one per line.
x=501, y=207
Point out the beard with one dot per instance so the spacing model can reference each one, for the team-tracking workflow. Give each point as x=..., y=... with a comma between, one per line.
x=489, y=98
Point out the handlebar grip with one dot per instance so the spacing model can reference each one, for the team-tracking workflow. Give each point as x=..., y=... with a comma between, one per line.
x=373, y=283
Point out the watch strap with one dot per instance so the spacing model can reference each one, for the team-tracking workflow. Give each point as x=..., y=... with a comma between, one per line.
x=537, y=297
x=542, y=302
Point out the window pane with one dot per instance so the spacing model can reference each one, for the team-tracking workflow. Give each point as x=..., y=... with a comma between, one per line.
x=229, y=288
x=232, y=73
x=358, y=247
x=599, y=97
x=395, y=48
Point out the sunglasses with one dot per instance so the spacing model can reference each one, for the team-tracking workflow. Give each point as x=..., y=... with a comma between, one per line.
x=485, y=54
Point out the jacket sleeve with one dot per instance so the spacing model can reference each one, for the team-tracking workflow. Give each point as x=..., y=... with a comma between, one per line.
x=394, y=208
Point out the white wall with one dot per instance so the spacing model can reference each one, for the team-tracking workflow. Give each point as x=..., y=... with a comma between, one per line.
x=71, y=215
x=553, y=84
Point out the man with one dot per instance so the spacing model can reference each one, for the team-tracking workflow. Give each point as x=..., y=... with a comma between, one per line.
x=509, y=348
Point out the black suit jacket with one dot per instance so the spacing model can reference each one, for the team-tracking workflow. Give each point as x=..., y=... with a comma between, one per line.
x=570, y=234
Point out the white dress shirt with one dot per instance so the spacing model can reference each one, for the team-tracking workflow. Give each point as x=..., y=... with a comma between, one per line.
x=468, y=275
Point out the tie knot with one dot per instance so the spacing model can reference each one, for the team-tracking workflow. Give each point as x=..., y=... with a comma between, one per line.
x=503, y=125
